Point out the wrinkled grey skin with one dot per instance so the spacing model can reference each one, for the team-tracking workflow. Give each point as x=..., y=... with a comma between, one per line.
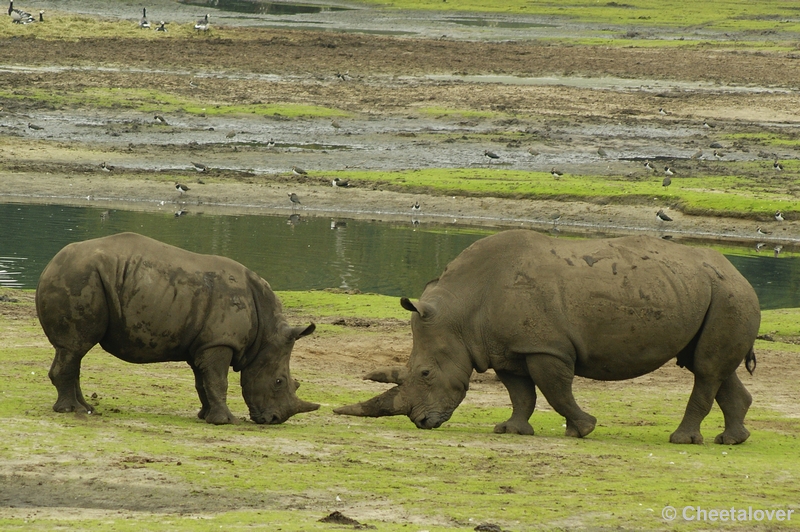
x=540, y=311
x=144, y=301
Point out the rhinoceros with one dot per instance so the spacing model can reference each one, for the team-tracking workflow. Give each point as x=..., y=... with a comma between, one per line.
x=144, y=301
x=540, y=310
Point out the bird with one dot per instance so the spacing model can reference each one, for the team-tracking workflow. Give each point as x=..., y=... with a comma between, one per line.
x=200, y=167
x=294, y=199
x=718, y=154
x=698, y=154
x=661, y=111
x=555, y=173
x=179, y=213
x=707, y=125
x=662, y=216
x=490, y=154
x=777, y=249
x=34, y=126
x=144, y=23
x=779, y=216
x=104, y=216
x=601, y=152
x=106, y=167
x=338, y=183
x=669, y=171
x=162, y=26
x=41, y=15
x=271, y=143
x=760, y=246
x=666, y=182
x=181, y=188
x=761, y=231
x=296, y=170
x=777, y=166
x=202, y=24
x=648, y=165
x=335, y=124
x=160, y=119
x=337, y=225
x=230, y=134
x=19, y=16
x=416, y=207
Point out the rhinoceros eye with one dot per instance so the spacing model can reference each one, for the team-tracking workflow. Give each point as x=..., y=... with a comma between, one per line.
x=426, y=372
x=278, y=382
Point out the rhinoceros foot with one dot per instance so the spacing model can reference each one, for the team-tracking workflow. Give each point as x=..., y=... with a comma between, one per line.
x=732, y=437
x=218, y=416
x=680, y=436
x=514, y=427
x=73, y=406
x=580, y=427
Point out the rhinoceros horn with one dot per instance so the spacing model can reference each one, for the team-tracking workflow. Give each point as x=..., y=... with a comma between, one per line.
x=305, y=406
x=390, y=374
x=389, y=403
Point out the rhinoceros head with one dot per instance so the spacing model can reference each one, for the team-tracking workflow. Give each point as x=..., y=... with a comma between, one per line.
x=435, y=380
x=267, y=386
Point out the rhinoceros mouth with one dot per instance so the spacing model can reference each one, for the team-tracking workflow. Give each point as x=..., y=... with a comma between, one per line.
x=431, y=420
x=266, y=419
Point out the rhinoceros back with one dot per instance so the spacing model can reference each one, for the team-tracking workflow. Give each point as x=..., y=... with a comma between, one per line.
x=145, y=301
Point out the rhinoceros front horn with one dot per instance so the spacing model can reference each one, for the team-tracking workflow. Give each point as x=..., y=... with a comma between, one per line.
x=305, y=406
x=389, y=403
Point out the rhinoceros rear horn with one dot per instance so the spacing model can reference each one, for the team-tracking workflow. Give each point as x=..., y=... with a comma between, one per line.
x=389, y=403
x=391, y=374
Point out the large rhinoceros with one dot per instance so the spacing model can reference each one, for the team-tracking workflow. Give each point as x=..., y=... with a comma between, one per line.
x=144, y=301
x=540, y=311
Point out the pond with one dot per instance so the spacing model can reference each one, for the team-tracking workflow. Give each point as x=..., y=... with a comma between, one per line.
x=303, y=253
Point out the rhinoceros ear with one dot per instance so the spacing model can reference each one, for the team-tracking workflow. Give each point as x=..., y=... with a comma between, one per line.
x=423, y=309
x=299, y=332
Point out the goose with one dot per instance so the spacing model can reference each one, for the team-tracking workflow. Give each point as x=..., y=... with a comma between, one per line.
x=143, y=23
x=162, y=26
x=202, y=24
x=19, y=16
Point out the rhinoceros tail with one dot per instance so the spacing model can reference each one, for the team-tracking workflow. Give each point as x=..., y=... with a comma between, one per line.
x=750, y=361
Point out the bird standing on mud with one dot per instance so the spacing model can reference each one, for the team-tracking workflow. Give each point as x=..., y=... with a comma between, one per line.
x=490, y=154
x=181, y=188
x=338, y=183
x=662, y=216
x=779, y=216
x=296, y=170
x=416, y=207
x=294, y=199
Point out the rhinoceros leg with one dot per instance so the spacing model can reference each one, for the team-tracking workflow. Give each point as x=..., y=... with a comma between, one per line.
x=522, y=392
x=210, y=368
x=734, y=400
x=700, y=403
x=554, y=378
x=65, y=374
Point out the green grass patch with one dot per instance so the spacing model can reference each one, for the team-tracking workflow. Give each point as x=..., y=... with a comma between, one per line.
x=729, y=195
x=332, y=303
x=148, y=100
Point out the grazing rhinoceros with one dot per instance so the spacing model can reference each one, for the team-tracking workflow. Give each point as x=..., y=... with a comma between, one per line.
x=145, y=301
x=540, y=311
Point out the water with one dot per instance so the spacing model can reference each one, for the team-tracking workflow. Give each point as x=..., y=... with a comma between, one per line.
x=301, y=254
x=264, y=8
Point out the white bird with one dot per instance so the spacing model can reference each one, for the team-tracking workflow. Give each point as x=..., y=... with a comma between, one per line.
x=181, y=188
x=200, y=167
x=160, y=119
x=777, y=166
x=271, y=143
x=662, y=216
x=762, y=232
x=669, y=171
x=661, y=111
x=106, y=167
x=778, y=216
x=416, y=207
x=296, y=170
x=556, y=174
x=338, y=183
x=648, y=166
x=144, y=23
